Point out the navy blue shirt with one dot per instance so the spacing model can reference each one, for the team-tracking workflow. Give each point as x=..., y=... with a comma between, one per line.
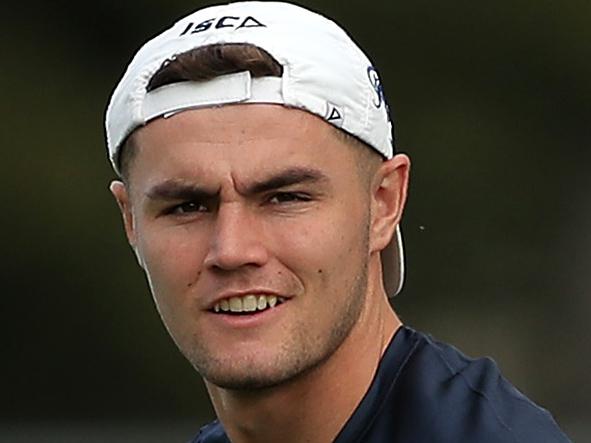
x=425, y=391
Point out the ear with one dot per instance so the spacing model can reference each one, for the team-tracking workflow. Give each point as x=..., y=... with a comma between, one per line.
x=121, y=194
x=389, y=190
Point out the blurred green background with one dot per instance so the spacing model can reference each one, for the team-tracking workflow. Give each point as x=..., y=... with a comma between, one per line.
x=492, y=100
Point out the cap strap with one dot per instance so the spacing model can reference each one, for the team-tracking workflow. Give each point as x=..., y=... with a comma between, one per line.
x=226, y=89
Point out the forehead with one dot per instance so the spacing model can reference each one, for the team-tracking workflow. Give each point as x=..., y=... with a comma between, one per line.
x=237, y=139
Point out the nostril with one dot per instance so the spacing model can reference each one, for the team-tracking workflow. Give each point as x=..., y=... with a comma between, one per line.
x=237, y=239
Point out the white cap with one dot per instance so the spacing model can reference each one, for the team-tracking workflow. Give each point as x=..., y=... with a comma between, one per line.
x=324, y=72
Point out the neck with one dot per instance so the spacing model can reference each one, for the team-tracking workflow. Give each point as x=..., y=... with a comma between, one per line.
x=313, y=407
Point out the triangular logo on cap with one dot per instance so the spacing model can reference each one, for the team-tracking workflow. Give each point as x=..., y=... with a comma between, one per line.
x=335, y=116
x=251, y=22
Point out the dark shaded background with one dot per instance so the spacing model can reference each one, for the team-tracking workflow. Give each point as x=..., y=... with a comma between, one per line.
x=492, y=101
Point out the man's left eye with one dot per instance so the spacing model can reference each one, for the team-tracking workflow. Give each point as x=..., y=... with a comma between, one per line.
x=288, y=197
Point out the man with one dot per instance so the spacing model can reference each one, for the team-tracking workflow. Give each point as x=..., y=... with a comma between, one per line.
x=262, y=196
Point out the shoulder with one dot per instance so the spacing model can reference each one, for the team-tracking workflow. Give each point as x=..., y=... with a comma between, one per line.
x=448, y=394
x=211, y=433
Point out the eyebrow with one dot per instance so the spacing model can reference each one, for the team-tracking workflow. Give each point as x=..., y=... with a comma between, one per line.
x=178, y=190
x=288, y=177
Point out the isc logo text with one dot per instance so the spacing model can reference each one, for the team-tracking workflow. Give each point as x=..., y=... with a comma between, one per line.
x=223, y=22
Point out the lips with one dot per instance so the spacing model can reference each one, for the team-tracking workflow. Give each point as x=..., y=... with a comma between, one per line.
x=247, y=303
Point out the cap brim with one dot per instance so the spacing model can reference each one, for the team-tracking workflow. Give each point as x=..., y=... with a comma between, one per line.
x=393, y=264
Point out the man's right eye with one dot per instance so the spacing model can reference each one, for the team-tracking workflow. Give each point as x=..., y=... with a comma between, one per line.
x=187, y=208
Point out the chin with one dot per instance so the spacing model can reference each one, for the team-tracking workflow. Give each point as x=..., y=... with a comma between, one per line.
x=245, y=382
x=245, y=373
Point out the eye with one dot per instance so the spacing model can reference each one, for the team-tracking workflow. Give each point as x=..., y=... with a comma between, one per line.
x=187, y=208
x=288, y=197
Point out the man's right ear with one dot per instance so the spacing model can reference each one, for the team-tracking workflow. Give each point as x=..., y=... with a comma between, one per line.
x=121, y=194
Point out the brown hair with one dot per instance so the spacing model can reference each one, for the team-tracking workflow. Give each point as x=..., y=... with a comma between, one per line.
x=212, y=61
x=207, y=62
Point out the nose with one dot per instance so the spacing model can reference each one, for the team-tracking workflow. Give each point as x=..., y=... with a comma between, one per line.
x=237, y=240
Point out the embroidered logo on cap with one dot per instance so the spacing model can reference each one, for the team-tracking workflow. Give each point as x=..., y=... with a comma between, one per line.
x=334, y=115
x=376, y=84
x=228, y=21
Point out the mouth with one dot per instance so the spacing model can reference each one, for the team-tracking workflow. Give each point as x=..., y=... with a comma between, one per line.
x=247, y=305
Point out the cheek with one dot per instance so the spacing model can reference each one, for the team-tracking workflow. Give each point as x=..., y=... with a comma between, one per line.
x=321, y=247
x=173, y=258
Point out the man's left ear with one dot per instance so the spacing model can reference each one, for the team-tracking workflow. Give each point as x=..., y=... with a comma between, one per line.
x=388, y=193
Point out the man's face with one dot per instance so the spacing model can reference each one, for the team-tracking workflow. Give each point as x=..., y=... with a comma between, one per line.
x=246, y=207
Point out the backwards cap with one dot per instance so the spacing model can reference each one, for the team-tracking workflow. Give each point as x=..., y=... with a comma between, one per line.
x=324, y=72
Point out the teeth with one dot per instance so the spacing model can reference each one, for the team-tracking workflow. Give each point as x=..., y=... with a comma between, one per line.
x=248, y=303
x=272, y=300
x=235, y=304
